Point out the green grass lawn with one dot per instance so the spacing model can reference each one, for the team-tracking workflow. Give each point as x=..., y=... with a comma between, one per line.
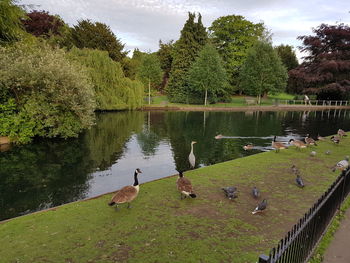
x=162, y=228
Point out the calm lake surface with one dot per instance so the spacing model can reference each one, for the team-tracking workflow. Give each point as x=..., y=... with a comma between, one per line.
x=49, y=173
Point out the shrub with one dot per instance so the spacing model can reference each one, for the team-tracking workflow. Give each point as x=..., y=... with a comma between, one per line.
x=43, y=93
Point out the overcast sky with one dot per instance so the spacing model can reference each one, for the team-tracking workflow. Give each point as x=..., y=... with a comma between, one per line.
x=142, y=23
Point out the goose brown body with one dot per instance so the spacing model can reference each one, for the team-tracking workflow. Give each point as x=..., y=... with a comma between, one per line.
x=309, y=140
x=184, y=186
x=297, y=143
x=127, y=193
x=277, y=145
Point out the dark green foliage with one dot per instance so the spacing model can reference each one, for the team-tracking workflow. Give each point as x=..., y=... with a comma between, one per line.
x=52, y=97
x=263, y=71
x=192, y=40
x=132, y=65
x=207, y=77
x=166, y=59
x=112, y=89
x=10, y=22
x=233, y=36
x=98, y=36
x=149, y=71
x=287, y=55
x=325, y=71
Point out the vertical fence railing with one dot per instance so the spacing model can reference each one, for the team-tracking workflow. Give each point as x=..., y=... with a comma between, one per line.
x=298, y=244
x=312, y=102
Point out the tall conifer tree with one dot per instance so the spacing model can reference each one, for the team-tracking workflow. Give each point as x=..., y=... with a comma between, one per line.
x=192, y=40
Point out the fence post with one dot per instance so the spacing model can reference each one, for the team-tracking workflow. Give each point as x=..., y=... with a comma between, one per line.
x=263, y=259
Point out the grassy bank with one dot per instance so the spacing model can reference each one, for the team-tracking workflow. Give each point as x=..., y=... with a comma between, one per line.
x=162, y=228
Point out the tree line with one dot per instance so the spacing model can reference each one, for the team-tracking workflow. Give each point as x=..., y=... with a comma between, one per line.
x=73, y=71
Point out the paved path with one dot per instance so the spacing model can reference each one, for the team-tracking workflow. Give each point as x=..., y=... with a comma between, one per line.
x=339, y=249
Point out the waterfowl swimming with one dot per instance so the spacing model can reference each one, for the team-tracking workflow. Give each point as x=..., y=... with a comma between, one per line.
x=277, y=145
x=261, y=206
x=248, y=146
x=297, y=143
x=309, y=140
x=127, y=193
x=184, y=186
x=219, y=136
x=341, y=133
x=342, y=165
x=255, y=192
x=191, y=157
x=299, y=181
x=335, y=139
x=295, y=170
x=230, y=192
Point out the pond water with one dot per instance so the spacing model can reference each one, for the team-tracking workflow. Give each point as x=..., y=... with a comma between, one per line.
x=49, y=173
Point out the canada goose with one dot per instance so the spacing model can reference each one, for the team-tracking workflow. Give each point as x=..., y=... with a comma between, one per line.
x=341, y=133
x=127, y=193
x=261, y=206
x=320, y=138
x=309, y=140
x=184, y=186
x=297, y=143
x=255, y=192
x=191, y=157
x=342, y=165
x=335, y=139
x=219, y=136
x=277, y=145
x=295, y=170
x=230, y=192
x=248, y=146
x=299, y=181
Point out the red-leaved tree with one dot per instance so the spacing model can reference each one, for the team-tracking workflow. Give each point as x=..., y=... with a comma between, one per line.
x=42, y=24
x=326, y=69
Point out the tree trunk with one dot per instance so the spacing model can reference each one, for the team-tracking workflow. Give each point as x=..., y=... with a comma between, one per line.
x=206, y=96
x=149, y=91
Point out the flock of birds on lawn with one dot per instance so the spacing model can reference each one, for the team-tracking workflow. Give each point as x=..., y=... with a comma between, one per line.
x=128, y=193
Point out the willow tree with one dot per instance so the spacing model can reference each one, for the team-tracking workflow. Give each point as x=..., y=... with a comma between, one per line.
x=263, y=71
x=113, y=90
x=192, y=40
x=10, y=21
x=207, y=74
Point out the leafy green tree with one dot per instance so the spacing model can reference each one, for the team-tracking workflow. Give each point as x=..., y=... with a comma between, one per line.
x=263, y=71
x=166, y=59
x=233, y=36
x=132, y=65
x=192, y=40
x=10, y=21
x=207, y=75
x=87, y=34
x=113, y=90
x=287, y=55
x=52, y=97
x=150, y=72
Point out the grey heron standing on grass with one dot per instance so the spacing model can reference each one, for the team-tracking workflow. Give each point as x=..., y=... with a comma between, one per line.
x=191, y=157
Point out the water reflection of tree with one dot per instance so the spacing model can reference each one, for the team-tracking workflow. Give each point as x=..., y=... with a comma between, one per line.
x=107, y=139
x=40, y=175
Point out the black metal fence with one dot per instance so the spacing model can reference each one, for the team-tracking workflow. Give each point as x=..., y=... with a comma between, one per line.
x=299, y=243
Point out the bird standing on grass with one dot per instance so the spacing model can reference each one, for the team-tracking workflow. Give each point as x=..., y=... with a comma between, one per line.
x=335, y=139
x=309, y=140
x=191, y=157
x=297, y=143
x=255, y=192
x=184, y=186
x=341, y=133
x=230, y=192
x=261, y=206
x=127, y=193
x=342, y=165
x=299, y=181
x=277, y=145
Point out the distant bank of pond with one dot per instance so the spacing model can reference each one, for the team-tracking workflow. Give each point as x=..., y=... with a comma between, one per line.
x=48, y=173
